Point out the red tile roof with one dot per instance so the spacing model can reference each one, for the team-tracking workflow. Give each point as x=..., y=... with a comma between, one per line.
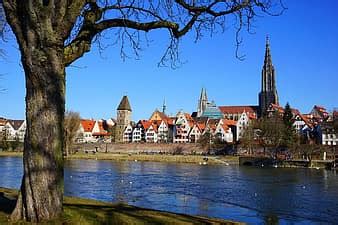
x=238, y=109
x=188, y=116
x=212, y=124
x=320, y=108
x=88, y=125
x=213, y=121
x=155, y=127
x=276, y=108
x=225, y=127
x=191, y=123
x=201, y=126
x=230, y=122
x=2, y=121
x=171, y=121
x=145, y=124
x=251, y=110
x=304, y=119
x=156, y=122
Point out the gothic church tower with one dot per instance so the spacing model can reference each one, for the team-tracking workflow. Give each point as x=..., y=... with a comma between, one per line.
x=268, y=92
x=202, y=103
x=123, y=118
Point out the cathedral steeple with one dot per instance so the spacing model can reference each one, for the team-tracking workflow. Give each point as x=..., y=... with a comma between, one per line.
x=202, y=103
x=268, y=92
x=267, y=59
x=164, y=106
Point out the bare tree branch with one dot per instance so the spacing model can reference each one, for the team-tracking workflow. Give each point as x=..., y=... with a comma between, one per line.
x=177, y=16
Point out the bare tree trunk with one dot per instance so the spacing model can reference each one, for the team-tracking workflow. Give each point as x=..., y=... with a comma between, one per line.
x=41, y=193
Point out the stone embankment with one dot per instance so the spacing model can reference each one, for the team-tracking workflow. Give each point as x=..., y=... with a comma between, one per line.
x=167, y=158
x=140, y=148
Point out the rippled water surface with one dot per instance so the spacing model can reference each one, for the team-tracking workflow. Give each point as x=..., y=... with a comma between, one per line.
x=253, y=195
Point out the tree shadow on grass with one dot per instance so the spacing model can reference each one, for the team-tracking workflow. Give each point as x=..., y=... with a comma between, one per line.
x=88, y=212
x=125, y=214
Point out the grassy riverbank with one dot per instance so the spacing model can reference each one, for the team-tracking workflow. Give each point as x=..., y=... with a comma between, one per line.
x=10, y=153
x=196, y=159
x=85, y=212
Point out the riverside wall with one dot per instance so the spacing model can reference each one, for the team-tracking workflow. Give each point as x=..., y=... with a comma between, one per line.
x=136, y=148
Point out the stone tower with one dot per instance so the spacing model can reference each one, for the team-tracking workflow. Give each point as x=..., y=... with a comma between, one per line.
x=268, y=92
x=202, y=102
x=123, y=118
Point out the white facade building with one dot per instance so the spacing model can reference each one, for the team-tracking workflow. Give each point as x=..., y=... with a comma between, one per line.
x=85, y=132
x=138, y=133
x=241, y=125
x=163, y=132
x=151, y=134
x=223, y=132
x=182, y=128
x=15, y=130
x=128, y=134
x=299, y=123
x=195, y=133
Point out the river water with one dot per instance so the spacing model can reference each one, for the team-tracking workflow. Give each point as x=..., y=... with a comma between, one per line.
x=247, y=194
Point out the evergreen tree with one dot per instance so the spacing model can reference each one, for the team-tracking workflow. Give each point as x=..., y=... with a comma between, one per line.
x=289, y=132
x=288, y=116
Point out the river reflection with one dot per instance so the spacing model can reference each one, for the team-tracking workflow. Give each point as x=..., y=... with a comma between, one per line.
x=253, y=195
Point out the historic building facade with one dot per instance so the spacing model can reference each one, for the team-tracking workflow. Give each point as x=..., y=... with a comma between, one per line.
x=123, y=119
x=202, y=102
x=268, y=94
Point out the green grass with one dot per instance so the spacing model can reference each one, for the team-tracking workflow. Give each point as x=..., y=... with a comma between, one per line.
x=87, y=212
x=10, y=153
x=195, y=159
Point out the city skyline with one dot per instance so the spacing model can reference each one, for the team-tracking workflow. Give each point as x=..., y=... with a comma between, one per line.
x=94, y=88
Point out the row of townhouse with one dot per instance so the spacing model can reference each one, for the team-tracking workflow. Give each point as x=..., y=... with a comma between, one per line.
x=151, y=131
x=184, y=128
x=181, y=129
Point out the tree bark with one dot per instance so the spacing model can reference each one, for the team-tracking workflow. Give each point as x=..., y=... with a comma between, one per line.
x=40, y=33
x=41, y=193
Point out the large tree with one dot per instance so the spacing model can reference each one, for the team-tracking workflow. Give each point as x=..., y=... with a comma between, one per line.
x=52, y=34
x=270, y=133
x=249, y=139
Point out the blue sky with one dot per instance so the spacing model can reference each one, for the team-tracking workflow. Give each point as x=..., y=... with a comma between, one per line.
x=304, y=46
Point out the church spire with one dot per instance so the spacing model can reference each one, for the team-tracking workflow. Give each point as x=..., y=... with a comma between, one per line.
x=202, y=103
x=268, y=92
x=267, y=59
x=164, y=107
